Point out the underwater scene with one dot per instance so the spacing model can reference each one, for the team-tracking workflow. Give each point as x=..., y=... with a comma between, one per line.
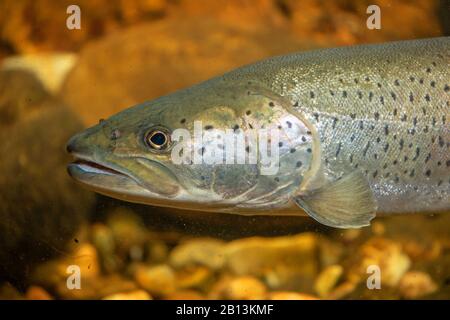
x=343, y=191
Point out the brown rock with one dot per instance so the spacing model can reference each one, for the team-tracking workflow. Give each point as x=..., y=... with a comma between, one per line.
x=244, y=288
x=327, y=280
x=288, y=295
x=416, y=284
x=384, y=253
x=151, y=60
x=41, y=208
x=158, y=280
x=286, y=263
x=37, y=293
x=132, y=295
x=201, y=251
x=185, y=295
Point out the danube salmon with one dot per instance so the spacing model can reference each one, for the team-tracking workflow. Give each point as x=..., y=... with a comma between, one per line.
x=355, y=131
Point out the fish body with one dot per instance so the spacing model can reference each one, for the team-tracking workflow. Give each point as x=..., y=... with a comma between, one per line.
x=362, y=129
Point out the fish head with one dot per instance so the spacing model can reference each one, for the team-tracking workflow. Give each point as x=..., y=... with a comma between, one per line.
x=218, y=145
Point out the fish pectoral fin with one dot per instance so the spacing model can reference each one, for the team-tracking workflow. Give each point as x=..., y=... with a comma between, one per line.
x=345, y=203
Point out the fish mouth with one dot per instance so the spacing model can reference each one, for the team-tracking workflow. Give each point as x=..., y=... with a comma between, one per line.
x=113, y=181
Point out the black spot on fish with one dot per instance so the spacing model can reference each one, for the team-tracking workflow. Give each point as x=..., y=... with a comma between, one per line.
x=276, y=179
x=316, y=116
x=425, y=129
x=303, y=138
x=439, y=183
x=352, y=137
x=447, y=163
x=280, y=127
x=394, y=162
x=250, y=126
x=411, y=79
x=366, y=148
x=370, y=95
x=396, y=179
x=271, y=104
x=386, y=147
x=295, y=104
x=428, y=70
x=280, y=144
x=411, y=131
x=403, y=118
x=415, y=121
x=351, y=158
x=433, y=84
x=201, y=151
x=386, y=129
x=427, y=97
x=428, y=173
x=361, y=125
x=367, y=79
x=411, y=174
x=298, y=164
x=289, y=124
x=378, y=85
x=308, y=132
x=428, y=158
x=387, y=174
x=441, y=142
x=375, y=173
x=397, y=82
x=446, y=88
x=208, y=127
x=236, y=127
x=353, y=115
x=394, y=96
x=247, y=149
x=439, y=163
x=417, y=154
x=395, y=111
x=401, y=143
x=309, y=150
x=292, y=150
x=376, y=115
x=311, y=94
x=378, y=139
x=334, y=123
x=375, y=155
x=182, y=121
x=344, y=94
x=332, y=92
x=248, y=112
x=405, y=158
x=115, y=134
x=360, y=95
x=421, y=81
x=338, y=149
x=356, y=80
x=411, y=97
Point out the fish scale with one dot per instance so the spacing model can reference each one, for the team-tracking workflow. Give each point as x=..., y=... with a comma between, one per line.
x=392, y=94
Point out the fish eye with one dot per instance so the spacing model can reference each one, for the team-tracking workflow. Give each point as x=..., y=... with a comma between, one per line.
x=157, y=139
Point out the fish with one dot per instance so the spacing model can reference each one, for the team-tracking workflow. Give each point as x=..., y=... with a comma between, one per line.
x=360, y=131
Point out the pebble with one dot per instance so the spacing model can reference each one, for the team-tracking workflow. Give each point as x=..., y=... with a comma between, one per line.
x=327, y=280
x=416, y=284
x=287, y=295
x=204, y=251
x=159, y=280
x=133, y=295
x=244, y=288
x=384, y=253
x=37, y=293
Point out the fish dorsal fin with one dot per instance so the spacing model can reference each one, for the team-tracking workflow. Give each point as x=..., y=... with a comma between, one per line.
x=344, y=203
